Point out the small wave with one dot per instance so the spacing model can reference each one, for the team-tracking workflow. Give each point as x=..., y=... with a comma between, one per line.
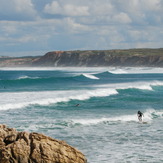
x=152, y=114
x=13, y=106
x=147, y=85
x=112, y=72
x=117, y=119
x=23, y=77
x=104, y=74
x=157, y=83
x=90, y=76
x=136, y=70
x=61, y=78
x=118, y=71
x=132, y=85
x=27, y=77
x=149, y=115
x=142, y=87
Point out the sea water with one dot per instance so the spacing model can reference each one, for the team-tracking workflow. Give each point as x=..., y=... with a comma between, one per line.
x=92, y=109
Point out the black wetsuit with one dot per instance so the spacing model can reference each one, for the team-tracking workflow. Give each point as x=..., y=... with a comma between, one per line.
x=140, y=114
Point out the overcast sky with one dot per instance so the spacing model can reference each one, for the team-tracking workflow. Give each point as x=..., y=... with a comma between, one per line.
x=34, y=27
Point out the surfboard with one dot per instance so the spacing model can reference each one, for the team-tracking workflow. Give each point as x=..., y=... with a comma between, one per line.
x=144, y=122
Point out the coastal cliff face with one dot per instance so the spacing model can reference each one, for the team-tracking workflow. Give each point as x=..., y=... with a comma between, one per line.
x=91, y=58
x=132, y=57
x=24, y=147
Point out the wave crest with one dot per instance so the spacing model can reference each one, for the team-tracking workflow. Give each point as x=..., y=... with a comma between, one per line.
x=90, y=76
x=24, y=99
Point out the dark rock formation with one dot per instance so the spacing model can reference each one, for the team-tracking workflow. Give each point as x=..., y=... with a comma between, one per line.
x=23, y=147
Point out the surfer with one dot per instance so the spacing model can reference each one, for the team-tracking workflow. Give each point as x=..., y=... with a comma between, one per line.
x=140, y=114
x=77, y=104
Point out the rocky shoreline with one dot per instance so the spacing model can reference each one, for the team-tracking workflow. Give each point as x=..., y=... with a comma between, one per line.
x=24, y=147
x=90, y=58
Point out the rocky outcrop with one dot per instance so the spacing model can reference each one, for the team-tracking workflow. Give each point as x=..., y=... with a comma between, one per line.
x=24, y=147
x=130, y=57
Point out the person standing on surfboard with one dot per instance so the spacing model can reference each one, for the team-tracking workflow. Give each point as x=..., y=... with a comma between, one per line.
x=140, y=114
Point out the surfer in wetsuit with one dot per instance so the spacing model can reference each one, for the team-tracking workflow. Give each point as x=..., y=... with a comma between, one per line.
x=140, y=114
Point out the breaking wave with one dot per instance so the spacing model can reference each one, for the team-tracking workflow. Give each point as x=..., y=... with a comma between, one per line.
x=90, y=76
x=24, y=99
x=16, y=100
x=149, y=115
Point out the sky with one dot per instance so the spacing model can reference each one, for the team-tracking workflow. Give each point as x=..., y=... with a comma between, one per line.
x=34, y=27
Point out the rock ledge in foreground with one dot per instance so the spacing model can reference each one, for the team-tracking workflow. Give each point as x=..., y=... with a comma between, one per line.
x=24, y=147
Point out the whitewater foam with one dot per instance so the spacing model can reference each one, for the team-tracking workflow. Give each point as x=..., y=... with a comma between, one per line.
x=23, y=99
x=90, y=76
x=117, y=71
x=148, y=117
x=27, y=77
x=152, y=113
x=125, y=118
x=135, y=70
x=131, y=85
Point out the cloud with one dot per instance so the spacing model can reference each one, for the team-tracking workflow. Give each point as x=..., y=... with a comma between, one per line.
x=101, y=9
x=142, y=11
x=17, y=10
x=152, y=5
x=66, y=10
x=122, y=18
x=75, y=24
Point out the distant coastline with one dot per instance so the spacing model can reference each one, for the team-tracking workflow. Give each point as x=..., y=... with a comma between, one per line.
x=90, y=58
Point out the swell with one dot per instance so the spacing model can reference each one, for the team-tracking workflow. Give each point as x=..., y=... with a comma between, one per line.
x=81, y=76
x=25, y=78
x=44, y=83
x=68, y=76
x=16, y=100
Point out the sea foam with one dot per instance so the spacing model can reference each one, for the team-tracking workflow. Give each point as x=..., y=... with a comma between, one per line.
x=132, y=85
x=148, y=116
x=90, y=76
x=24, y=99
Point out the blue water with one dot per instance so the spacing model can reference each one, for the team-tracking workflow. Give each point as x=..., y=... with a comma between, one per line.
x=104, y=126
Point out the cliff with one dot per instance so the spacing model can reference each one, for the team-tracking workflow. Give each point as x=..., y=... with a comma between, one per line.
x=91, y=58
x=24, y=147
x=130, y=57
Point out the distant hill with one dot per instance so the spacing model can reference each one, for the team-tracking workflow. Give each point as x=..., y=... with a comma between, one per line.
x=17, y=61
x=128, y=57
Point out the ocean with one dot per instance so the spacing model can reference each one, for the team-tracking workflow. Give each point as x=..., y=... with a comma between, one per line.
x=92, y=109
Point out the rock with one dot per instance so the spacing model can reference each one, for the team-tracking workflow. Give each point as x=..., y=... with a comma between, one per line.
x=24, y=147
